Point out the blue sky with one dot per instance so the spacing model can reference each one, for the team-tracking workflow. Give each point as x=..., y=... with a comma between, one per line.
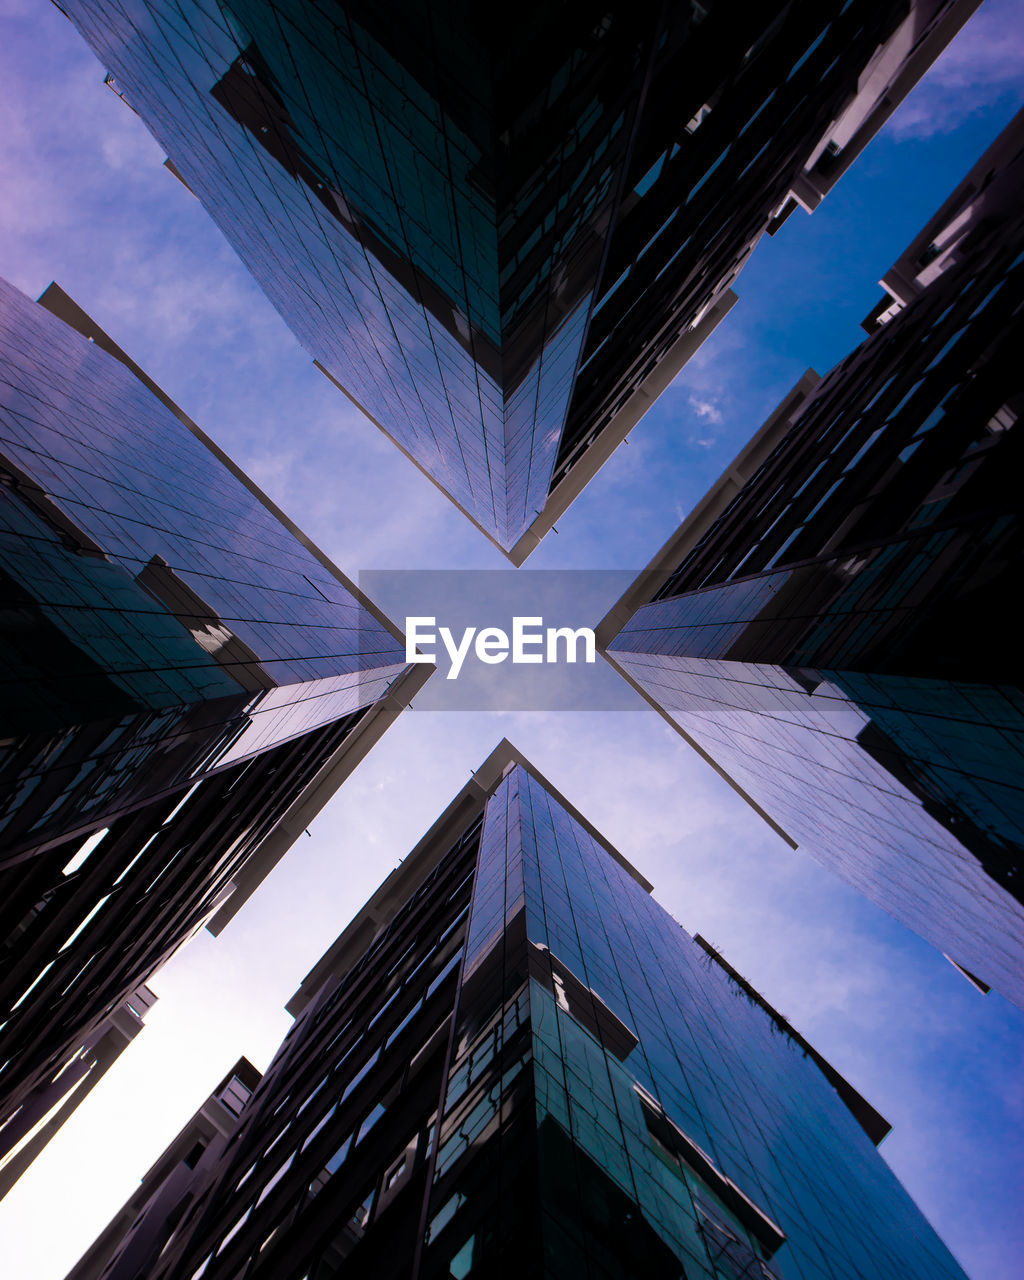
x=84, y=199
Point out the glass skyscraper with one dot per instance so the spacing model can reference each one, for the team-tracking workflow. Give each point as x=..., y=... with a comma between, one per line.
x=514, y=1063
x=185, y=681
x=834, y=626
x=503, y=238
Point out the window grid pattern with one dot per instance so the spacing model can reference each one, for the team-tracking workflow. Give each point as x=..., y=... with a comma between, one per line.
x=107, y=494
x=599, y=1094
x=455, y=216
x=716, y=1064
x=839, y=641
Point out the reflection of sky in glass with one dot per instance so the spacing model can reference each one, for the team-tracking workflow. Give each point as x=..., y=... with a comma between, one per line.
x=796, y=752
x=721, y=1069
x=410, y=172
x=139, y=483
x=86, y=199
x=123, y=473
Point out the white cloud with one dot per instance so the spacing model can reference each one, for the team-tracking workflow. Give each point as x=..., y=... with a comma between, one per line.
x=705, y=409
x=981, y=67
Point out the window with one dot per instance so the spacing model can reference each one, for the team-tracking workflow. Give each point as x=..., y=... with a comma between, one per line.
x=370, y=1121
x=96, y=909
x=395, y=1173
x=234, y=1231
x=195, y=1155
x=275, y=1179
x=83, y=853
x=338, y=1159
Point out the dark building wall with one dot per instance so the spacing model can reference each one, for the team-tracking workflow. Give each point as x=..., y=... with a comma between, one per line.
x=840, y=640
x=80, y=935
x=530, y=1069
x=133, y=1240
x=742, y=111
x=491, y=234
x=348, y=1103
x=44, y=1104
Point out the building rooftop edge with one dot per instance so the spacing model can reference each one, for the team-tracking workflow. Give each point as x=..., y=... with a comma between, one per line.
x=310, y=802
x=560, y=498
x=414, y=868
x=249, y=1074
x=491, y=538
x=565, y=492
x=901, y=281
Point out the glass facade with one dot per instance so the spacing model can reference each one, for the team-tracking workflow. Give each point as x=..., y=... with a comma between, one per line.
x=489, y=233
x=525, y=1067
x=840, y=641
x=164, y=622
x=184, y=682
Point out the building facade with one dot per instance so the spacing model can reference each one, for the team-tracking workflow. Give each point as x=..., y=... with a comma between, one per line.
x=41, y=1107
x=833, y=626
x=513, y=1062
x=186, y=680
x=132, y=1241
x=503, y=240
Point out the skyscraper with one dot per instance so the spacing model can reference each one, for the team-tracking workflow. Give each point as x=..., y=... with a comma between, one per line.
x=137, y=1233
x=513, y=1062
x=185, y=682
x=833, y=626
x=502, y=239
